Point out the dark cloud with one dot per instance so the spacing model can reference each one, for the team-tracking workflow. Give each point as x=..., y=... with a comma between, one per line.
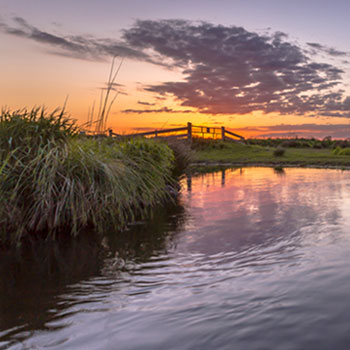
x=229, y=70
x=307, y=130
x=304, y=127
x=328, y=50
x=142, y=129
x=119, y=88
x=157, y=110
x=77, y=46
x=145, y=103
x=225, y=69
x=166, y=125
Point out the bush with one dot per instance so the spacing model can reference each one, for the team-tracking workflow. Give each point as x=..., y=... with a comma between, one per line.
x=279, y=152
x=341, y=143
x=279, y=170
x=344, y=152
x=290, y=143
x=336, y=150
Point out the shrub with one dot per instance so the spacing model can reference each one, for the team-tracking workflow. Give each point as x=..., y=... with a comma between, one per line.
x=336, y=150
x=327, y=142
x=279, y=170
x=279, y=152
x=344, y=152
x=290, y=143
x=341, y=143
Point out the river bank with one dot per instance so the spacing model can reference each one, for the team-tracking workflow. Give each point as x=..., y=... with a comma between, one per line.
x=240, y=154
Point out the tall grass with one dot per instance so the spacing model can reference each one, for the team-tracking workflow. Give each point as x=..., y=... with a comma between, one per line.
x=29, y=130
x=183, y=154
x=54, y=181
x=106, y=103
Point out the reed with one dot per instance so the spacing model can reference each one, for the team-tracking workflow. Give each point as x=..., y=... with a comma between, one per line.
x=53, y=181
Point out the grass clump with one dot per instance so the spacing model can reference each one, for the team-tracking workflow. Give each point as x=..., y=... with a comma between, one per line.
x=29, y=130
x=279, y=152
x=337, y=150
x=344, y=152
x=204, y=144
x=53, y=181
x=183, y=154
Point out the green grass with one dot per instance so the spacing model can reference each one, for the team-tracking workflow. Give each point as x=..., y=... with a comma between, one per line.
x=242, y=154
x=53, y=181
x=327, y=142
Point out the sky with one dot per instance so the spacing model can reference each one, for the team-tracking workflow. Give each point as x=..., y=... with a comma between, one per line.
x=259, y=67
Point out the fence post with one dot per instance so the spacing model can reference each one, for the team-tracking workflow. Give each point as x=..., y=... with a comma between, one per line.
x=223, y=133
x=110, y=132
x=189, y=132
x=155, y=134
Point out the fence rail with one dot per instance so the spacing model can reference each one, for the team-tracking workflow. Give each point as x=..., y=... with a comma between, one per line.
x=191, y=131
x=157, y=132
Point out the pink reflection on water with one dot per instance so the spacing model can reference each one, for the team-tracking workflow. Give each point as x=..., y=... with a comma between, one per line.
x=245, y=208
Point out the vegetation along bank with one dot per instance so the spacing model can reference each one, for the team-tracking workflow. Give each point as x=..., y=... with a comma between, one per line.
x=54, y=181
x=273, y=152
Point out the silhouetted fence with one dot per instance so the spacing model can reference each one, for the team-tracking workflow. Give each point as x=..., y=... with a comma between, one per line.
x=187, y=132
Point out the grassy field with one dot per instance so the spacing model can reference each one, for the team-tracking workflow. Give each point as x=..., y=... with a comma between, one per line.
x=242, y=154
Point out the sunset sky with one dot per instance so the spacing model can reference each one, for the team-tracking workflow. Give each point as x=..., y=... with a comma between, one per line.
x=259, y=67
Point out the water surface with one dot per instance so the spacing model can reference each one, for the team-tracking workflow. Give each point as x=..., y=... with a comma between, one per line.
x=247, y=259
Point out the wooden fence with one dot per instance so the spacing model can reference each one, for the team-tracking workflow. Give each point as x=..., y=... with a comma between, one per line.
x=187, y=132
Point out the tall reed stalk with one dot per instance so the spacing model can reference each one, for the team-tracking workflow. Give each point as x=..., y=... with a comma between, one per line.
x=105, y=104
